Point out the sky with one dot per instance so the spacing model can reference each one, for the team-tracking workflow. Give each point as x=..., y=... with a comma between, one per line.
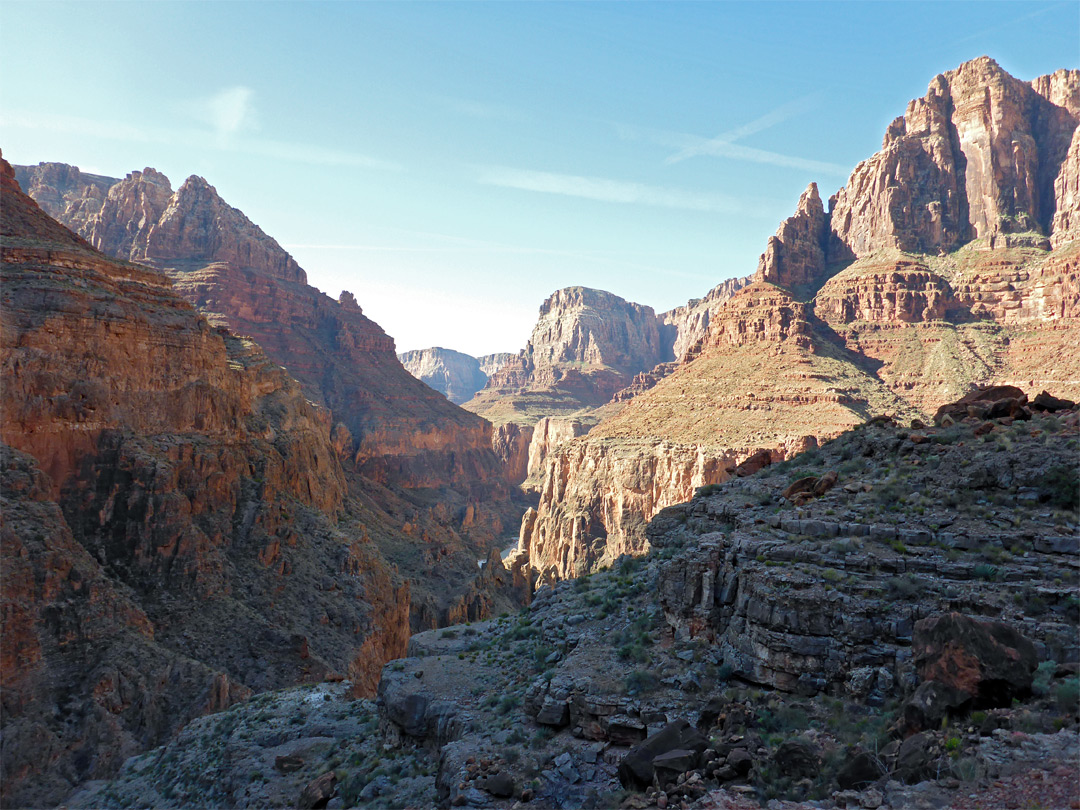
x=452, y=164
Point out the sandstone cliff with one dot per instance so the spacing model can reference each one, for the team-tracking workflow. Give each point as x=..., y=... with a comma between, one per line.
x=455, y=375
x=403, y=446
x=932, y=271
x=177, y=526
x=684, y=326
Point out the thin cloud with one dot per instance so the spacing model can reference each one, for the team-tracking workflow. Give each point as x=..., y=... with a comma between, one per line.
x=782, y=113
x=195, y=139
x=1010, y=23
x=719, y=148
x=616, y=191
x=229, y=111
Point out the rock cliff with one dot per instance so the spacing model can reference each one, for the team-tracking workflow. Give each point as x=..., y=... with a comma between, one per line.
x=684, y=326
x=907, y=636
x=404, y=446
x=455, y=375
x=177, y=526
x=932, y=271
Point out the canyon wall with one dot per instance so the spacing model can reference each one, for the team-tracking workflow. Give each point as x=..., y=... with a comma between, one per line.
x=455, y=375
x=178, y=529
x=402, y=445
x=948, y=260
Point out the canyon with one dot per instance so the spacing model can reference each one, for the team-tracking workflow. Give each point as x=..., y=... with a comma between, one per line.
x=929, y=273
x=810, y=537
x=455, y=375
x=402, y=445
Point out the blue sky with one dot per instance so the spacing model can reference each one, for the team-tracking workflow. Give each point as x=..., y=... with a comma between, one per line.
x=452, y=164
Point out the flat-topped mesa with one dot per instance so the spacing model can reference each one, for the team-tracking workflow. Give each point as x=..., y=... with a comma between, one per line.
x=978, y=157
x=455, y=375
x=582, y=325
x=795, y=256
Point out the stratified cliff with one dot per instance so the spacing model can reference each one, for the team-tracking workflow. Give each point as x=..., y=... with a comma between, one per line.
x=402, y=445
x=177, y=528
x=455, y=375
x=949, y=259
x=586, y=345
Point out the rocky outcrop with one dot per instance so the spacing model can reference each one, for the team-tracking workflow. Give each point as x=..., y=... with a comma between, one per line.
x=65, y=192
x=455, y=375
x=685, y=326
x=586, y=345
x=402, y=445
x=883, y=291
x=795, y=256
x=764, y=379
x=976, y=158
x=189, y=536
x=490, y=363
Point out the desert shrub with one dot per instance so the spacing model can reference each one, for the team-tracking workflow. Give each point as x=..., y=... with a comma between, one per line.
x=987, y=572
x=708, y=489
x=1060, y=486
x=640, y=681
x=448, y=634
x=509, y=703
x=1067, y=695
x=907, y=587
x=634, y=652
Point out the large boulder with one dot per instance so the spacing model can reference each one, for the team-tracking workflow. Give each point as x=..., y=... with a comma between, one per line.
x=636, y=770
x=1001, y=400
x=989, y=661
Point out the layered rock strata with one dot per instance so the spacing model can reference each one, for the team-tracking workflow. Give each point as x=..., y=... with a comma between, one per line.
x=455, y=375
x=931, y=272
x=413, y=453
x=177, y=529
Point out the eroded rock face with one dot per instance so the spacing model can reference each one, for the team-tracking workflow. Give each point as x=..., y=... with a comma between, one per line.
x=175, y=459
x=455, y=375
x=685, y=326
x=586, y=345
x=931, y=273
x=976, y=157
x=796, y=254
x=393, y=435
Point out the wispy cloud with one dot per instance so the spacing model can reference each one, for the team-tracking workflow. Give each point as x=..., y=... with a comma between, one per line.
x=777, y=116
x=192, y=138
x=617, y=191
x=1008, y=24
x=227, y=112
x=719, y=148
x=448, y=244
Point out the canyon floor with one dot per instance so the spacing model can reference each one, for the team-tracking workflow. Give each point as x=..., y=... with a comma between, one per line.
x=907, y=638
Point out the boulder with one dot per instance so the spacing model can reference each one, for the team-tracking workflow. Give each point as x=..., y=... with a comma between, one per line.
x=1045, y=402
x=798, y=758
x=861, y=769
x=914, y=760
x=803, y=485
x=318, y=792
x=989, y=661
x=932, y=702
x=982, y=399
x=500, y=785
x=636, y=769
x=758, y=461
x=669, y=765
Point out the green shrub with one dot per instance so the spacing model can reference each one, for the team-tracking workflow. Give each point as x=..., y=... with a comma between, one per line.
x=986, y=572
x=1067, y=695
x=1060, y=486
x=640, y=681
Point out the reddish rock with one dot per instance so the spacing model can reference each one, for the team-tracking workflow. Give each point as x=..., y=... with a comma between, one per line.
x=755, y=463
x=989, y=661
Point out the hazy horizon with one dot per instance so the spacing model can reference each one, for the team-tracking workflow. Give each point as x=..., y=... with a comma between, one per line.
x=453, y=164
